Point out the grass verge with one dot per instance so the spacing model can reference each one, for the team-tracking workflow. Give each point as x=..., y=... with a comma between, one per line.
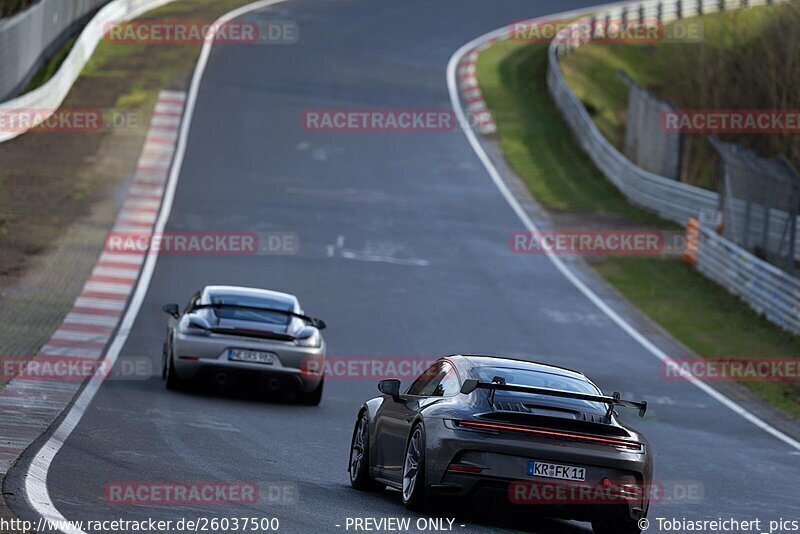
x=540, y=148
x=51, y=66
x=758, y=45
x=562, y=177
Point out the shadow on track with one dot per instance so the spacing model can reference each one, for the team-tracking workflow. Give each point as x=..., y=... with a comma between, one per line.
x=492, y=515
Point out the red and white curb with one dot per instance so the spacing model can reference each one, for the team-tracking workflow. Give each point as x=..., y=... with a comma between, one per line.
x=478, y=113
x=29, y=405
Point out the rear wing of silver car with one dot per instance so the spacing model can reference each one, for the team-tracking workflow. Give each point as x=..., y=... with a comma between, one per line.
x=471, y=384
x=313, y=321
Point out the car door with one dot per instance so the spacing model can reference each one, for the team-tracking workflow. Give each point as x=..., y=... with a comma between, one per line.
x=394, y=417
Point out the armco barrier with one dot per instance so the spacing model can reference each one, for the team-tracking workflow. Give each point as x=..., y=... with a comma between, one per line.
x=50, y=95
x=27, y=37
x=672, y=200
x=763, y=286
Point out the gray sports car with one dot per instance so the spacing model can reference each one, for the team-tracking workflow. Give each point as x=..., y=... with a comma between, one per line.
x=238, y=335
x=530, y=433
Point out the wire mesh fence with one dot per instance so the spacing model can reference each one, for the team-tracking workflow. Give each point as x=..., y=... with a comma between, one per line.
x=673, y=200
x=647, y=144
x=759, y=201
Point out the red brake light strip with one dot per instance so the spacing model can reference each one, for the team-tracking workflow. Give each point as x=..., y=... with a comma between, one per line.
x=581, y=437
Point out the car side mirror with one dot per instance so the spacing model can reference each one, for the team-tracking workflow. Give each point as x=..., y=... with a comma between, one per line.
x=389, y=387
x=171, y=309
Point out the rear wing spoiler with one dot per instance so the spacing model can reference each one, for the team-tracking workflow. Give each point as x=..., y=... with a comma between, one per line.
x=313, y=321
x=471, y=384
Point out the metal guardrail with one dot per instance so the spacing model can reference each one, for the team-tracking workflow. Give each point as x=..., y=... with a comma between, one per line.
x=675, y=201
x=27, y=37
x=47, y=98
x=767, y=289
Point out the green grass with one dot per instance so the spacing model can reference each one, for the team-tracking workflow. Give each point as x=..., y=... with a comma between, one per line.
x=540, y=148
x=50, y=67
x=536, y=141
x=705, y=317
x=593, y=76
x=742, y=61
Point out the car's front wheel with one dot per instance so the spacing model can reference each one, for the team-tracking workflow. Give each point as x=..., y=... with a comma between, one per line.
x=414, y=469
x=359, y=456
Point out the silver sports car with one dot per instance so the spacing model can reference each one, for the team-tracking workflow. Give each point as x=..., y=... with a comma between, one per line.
x=530, y=434
x=235, y=335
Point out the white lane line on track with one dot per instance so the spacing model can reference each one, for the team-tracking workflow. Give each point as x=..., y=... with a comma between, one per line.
x=452, y=86
x=36, y=491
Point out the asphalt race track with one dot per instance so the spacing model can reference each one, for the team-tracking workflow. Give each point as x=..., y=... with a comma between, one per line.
x=447, y=283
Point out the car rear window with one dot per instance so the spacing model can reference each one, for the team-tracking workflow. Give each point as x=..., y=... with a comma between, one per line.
x=261, y=316
x=539, y=379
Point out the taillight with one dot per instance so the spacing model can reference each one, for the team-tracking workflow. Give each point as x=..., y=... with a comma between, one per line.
x=630, y=445
x=464, y=468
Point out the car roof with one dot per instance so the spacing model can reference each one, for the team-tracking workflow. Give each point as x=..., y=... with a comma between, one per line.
x=483, y=360
x=285, y=299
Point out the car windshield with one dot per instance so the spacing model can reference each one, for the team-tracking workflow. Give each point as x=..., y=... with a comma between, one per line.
x=243, y=314
x=540, y=379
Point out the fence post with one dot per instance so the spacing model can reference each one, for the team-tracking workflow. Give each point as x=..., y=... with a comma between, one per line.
x=692, y=241
x=660, y=12
x=721, y=5
x=699, y=7
x=679, y=9
x=768, y=200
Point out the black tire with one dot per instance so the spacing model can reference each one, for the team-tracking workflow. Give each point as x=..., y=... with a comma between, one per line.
x=360, y=478
x=311, y=398
x=173, y=381
x=413, y=490
x=616, y=526
x=164, y=361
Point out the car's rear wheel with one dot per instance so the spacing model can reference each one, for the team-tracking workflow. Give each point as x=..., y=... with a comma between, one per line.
x=616, y=526
x=414, y=469
x=359, y=456
x=311, y=398
x=173, y=381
